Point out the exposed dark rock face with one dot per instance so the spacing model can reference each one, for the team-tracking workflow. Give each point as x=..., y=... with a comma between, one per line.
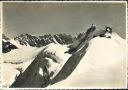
x=7, y=47
x=82, y=37
x=25, y=39
x=31, y=78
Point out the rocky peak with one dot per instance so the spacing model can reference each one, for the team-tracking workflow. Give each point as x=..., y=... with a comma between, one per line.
x=43, y=40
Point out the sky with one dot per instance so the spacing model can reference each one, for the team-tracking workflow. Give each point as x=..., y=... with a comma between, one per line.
x=53, y=18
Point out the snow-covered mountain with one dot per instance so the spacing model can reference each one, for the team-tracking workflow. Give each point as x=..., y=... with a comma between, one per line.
x=43, y=40
x=34, y=41
x=95, y=58
x=103, y=66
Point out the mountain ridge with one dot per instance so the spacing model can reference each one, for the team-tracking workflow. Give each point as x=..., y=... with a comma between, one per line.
x=63, y=39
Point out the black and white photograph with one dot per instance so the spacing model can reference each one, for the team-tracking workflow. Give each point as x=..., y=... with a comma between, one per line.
x=60, y=45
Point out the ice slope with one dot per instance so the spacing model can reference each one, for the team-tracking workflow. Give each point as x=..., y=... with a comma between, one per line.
x=103, y=65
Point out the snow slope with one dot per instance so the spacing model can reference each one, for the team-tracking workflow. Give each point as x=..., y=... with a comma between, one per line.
x=9, y=72
x=22, y=54
x=17, y=58
x=26, y=54
x=57, y=51
x=103, y=65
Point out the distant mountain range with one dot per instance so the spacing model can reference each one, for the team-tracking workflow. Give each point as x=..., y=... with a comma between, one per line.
x=40, y=41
